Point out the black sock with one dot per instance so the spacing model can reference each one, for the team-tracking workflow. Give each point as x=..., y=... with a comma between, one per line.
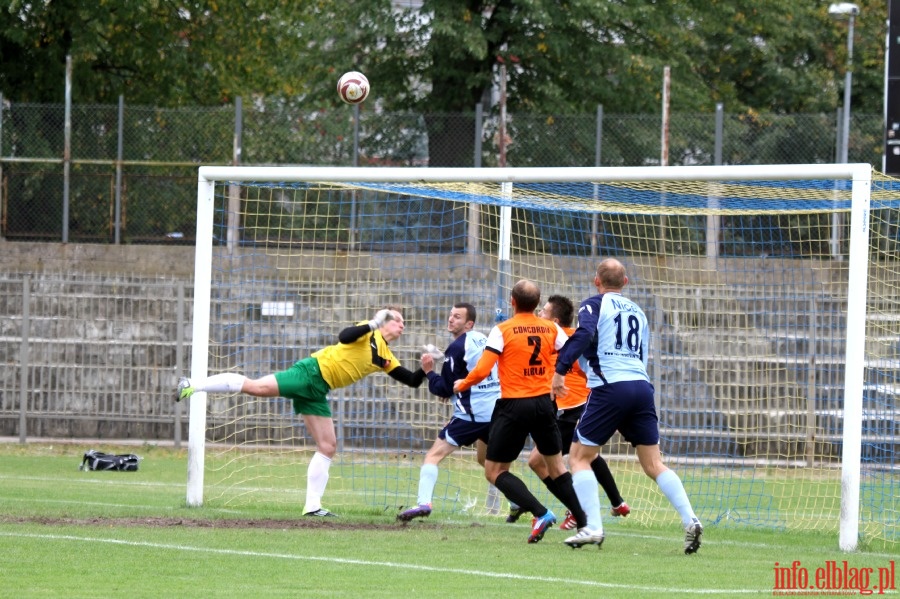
x=516, y=492
x=562, y=489
x=605, y=478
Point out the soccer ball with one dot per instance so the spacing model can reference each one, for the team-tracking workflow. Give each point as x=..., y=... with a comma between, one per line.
x=353, y=87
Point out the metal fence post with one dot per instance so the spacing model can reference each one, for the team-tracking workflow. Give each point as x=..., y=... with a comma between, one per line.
x=720, y=133
x=353, y=195
x=120, y=152
x=179, y=357
x=24, y=360
x=2, y=203
x=835, y=241
x=474, y=210
x=67, y=150
x=714, y=221
x=598, y=150
x=234, y=191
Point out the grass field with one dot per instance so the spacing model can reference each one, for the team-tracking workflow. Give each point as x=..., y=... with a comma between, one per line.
x=67, y=533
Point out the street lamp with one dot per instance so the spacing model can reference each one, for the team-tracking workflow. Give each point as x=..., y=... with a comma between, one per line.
x=849, y=10
x=841, y=10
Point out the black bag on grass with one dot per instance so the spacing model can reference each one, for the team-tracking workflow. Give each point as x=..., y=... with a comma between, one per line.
x=96, y=460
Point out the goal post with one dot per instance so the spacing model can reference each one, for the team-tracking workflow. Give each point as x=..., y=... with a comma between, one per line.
x=773, y=387
x=854, y=364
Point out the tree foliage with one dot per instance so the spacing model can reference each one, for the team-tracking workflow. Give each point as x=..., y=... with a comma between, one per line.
x=778, y=56
x=563, y=56
x=440, y=58
x=156, y=52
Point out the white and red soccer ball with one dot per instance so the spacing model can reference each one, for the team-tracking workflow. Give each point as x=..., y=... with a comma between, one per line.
x=353, y=87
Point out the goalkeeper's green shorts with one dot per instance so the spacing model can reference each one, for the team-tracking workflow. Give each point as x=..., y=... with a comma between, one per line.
x=303, y=384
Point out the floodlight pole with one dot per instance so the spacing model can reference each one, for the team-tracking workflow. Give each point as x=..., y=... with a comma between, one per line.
x=839, y=11
x=848, y=84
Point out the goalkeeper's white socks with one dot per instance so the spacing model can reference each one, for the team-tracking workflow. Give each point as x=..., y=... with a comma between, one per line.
x=227, y=382
x=316, y=479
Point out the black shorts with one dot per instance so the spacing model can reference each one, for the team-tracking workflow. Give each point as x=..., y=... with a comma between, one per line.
x=566, y=421
x=514, y=419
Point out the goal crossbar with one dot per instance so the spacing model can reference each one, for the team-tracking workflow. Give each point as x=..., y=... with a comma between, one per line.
x=774, y=172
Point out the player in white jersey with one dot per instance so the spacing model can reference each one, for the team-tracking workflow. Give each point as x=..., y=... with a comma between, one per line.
x=613, y=338
x=472, y=408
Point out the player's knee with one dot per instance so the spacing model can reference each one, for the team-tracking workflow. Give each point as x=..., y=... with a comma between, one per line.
x=327, y=447
x=492, y=471
x=654, y=469
x=651, y=460
x=259, y=387
x=251, y=387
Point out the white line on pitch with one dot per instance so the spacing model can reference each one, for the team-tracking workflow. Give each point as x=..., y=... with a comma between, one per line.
x=379, y=564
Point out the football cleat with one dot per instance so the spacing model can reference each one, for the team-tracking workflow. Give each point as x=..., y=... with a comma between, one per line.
x=420, y=511
x=584, y=537
x=184, y=390
x=321, y=513
x=514, y=514
x=621, y=510
x=692, y=535
x=569, y=522
x=540, y=525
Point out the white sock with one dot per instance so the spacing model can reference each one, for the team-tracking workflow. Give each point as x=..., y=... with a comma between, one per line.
x=585, y=484
x=316, y=479
x=428, y=475
x=670, y=484
x=227, y=382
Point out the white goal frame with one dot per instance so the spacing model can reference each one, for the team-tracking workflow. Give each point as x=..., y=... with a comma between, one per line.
x=860, y=176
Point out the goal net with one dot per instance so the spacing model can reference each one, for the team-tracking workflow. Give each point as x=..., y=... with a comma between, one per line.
x=772, y=293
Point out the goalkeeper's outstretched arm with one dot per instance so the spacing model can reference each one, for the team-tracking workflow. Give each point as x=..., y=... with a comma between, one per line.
x=351, y=334
x=408, y=377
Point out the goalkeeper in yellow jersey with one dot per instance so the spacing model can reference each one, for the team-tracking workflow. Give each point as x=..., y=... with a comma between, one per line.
x=361, y=350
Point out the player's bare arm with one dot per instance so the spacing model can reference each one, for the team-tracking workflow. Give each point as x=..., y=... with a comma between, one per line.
x=558, y=386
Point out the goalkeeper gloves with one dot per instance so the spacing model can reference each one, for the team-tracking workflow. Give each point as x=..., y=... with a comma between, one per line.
x=381, y=317
x=435, y=353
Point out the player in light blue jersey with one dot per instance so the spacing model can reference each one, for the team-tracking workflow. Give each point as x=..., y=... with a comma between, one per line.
x=613, y=339
x=472, y=408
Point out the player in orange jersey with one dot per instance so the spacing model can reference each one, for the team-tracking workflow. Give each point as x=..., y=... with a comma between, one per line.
x=522, y=348
x=560, y=310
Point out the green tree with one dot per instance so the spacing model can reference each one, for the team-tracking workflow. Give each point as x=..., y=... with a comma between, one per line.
x=765, y=55
x=160, y=52
x=439, y=59
x=566, y=57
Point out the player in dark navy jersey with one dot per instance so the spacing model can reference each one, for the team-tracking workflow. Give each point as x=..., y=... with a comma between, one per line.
x=472, y=408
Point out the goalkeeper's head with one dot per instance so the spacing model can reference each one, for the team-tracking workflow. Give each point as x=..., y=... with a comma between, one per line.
x=393, y=326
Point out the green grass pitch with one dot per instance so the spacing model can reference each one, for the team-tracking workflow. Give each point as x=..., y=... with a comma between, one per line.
x=67, y=533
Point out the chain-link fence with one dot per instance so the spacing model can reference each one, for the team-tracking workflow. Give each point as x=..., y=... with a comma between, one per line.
x=127, y=174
